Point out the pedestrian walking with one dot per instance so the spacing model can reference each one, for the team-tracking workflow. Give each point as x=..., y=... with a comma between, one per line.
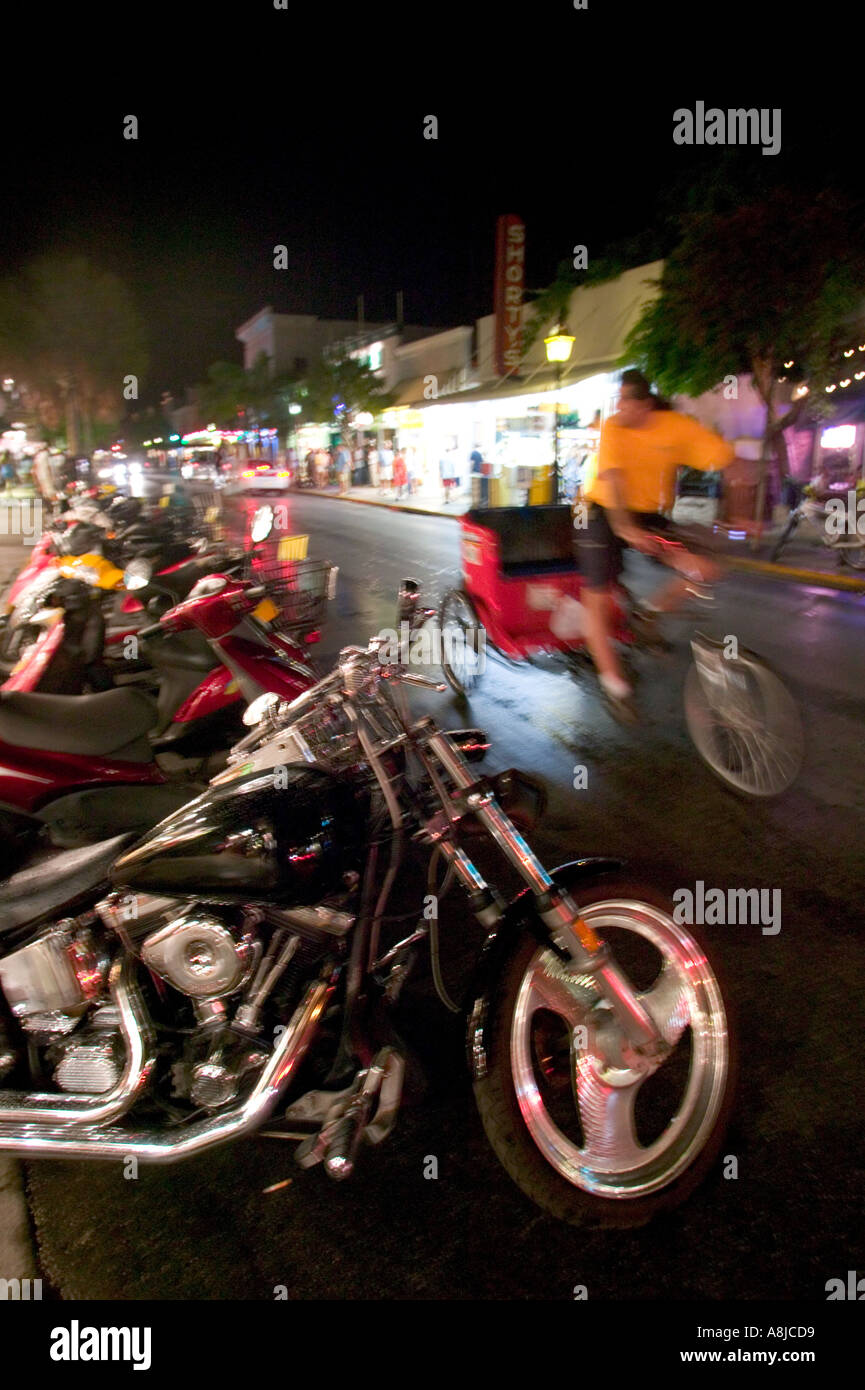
x=8, y=476
x=479, y=470
x=448, y=472
x=385, y=469
x=372, y=463
x=44, y=475
x=411, y=469
x=400, y=474
x=358, y=469
x=343, y=468
x=321, y=469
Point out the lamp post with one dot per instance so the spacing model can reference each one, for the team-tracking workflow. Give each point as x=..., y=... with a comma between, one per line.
x=558, y=346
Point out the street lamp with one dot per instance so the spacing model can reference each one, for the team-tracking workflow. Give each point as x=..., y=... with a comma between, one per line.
x=558, y=346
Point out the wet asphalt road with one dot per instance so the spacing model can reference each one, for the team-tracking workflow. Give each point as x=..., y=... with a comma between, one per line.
x=790, y=1221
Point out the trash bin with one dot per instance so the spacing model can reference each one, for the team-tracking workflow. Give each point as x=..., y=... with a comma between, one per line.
x=541, y=488
x=739, y=504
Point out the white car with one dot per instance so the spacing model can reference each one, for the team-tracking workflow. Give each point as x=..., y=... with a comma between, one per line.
x=256, y=475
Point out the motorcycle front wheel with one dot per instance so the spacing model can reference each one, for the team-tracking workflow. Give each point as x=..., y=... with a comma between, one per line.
x=593, y=1134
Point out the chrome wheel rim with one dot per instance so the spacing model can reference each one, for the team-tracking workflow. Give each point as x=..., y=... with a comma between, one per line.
x=605, y=1079
x=751, y=737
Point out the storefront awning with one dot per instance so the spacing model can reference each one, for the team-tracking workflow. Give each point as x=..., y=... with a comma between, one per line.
x=408, y=393
x=509, y=388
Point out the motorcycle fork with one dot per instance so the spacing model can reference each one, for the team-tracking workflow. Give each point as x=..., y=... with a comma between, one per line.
x=572, y=937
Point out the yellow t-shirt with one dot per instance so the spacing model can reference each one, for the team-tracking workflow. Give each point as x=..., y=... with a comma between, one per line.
x=649, y=456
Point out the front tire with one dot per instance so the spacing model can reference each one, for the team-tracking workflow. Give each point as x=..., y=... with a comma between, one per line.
x=593, y=1141
x=751, y=736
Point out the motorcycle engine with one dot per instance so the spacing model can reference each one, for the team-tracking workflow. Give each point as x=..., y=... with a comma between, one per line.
x=50, y=983
x=199, y=955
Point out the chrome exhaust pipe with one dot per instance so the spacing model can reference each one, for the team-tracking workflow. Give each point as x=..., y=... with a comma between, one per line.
x=44, y=1108
x=44, y=1141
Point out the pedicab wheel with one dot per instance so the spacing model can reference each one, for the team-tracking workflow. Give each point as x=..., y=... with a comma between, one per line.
x=750, y=732
x=462, y=636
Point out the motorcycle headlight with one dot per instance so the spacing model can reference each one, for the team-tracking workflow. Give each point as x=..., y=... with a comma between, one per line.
x=137, y=573
x=255, y=712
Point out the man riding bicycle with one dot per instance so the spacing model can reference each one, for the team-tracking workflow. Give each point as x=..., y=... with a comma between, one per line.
x=641, y=449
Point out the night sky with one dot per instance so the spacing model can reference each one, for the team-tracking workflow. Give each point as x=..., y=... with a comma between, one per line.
x=259, y=127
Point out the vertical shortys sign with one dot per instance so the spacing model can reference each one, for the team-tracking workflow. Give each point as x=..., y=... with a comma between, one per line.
x=508, y=296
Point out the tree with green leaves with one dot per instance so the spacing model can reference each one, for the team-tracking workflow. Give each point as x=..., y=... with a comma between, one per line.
x=749, y=289
x=549, y=307
x=71, y=334
x=233, y=396
x=339, y=388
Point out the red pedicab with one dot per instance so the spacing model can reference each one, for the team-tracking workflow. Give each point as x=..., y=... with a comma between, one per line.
x=521, y=595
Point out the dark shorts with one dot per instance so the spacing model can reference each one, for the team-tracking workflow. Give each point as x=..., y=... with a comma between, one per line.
x=601, y=552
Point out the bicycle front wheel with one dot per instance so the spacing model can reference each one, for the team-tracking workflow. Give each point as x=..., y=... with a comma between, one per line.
x=746, y=728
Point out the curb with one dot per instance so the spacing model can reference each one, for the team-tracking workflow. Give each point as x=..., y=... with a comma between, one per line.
x=820, y=579
x=373, y=502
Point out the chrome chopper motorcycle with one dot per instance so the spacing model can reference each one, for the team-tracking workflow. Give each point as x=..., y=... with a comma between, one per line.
x=232, y=971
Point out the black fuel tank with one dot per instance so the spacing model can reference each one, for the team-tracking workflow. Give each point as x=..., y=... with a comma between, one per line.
x=251, y=839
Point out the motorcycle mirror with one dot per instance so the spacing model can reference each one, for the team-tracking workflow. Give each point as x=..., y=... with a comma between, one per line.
x=262, y=524
x=254, y=713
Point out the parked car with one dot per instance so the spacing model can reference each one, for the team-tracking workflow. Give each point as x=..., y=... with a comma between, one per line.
x=254, y=475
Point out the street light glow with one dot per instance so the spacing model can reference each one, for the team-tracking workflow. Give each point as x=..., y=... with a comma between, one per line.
x=559, y=346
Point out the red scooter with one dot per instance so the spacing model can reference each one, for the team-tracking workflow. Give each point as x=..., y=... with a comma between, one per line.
x=78, y=769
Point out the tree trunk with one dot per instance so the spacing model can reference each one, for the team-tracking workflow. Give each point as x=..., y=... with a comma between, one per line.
x=71, y=423
x=763, y=373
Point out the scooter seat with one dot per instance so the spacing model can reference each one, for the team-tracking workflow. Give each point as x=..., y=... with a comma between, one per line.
x=55, y=884
x=114, y=722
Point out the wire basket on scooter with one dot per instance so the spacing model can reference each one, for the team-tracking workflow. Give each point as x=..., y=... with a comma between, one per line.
x=300, y=589
x=208, y=517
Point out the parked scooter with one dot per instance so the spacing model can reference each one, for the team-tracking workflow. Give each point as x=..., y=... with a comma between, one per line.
x=74, y=769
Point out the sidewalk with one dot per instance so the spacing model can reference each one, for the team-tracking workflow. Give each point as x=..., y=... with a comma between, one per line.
x=803, y=562
x=426, y=503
